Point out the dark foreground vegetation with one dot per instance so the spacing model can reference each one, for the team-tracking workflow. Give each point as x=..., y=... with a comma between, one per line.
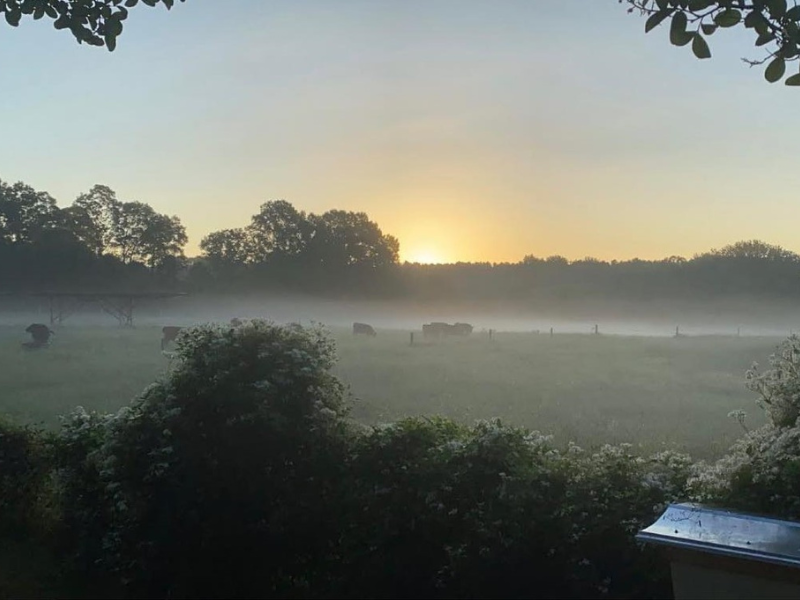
x=239, y=474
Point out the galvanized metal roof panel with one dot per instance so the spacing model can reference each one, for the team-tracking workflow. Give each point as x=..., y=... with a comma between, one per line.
x=727, y=533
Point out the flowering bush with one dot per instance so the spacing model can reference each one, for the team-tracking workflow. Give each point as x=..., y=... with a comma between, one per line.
x=238, y=474
x=215, y=480
x=779, y=388
x=761, y=473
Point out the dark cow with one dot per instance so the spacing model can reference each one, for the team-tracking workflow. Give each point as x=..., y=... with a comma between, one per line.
x=439, y=330
x=169, y=333
x=435, y=330
x=461, y=329
x=40, y=334
x=363, y=329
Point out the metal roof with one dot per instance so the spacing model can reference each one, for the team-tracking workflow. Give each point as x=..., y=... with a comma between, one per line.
x=726, y=533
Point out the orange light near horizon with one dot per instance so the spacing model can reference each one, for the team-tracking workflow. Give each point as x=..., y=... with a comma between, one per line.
x=425, y=256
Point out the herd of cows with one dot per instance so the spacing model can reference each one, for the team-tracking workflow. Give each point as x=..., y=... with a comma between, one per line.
x=437, y=330
x=434, y=330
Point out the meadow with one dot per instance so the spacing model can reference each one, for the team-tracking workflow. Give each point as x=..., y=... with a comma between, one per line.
x=652, y=392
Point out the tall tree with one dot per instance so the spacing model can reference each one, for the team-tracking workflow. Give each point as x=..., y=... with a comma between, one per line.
x=775, y=25
x=140, y=234
x=279, y=230
x=345, y=238
x=91, y=218
x=96, y=22
x=228, y=247
x=25, y=213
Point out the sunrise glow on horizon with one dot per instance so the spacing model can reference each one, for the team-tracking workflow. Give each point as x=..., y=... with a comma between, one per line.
x=471, y=131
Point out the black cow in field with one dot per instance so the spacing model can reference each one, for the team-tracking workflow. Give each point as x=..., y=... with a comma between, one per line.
x=40, y=334
x=169, y=334
x=461, y=329
x=435, y=330
x=363, y=329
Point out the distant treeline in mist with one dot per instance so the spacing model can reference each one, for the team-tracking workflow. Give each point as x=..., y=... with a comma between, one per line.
x=102, y=243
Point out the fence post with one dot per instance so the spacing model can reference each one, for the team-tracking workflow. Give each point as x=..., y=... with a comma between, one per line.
x=596, y=329
x=411, y=342
x=551, y=332
x=491, y=333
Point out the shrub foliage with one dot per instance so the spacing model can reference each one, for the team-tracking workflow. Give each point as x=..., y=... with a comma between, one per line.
x=238, y=474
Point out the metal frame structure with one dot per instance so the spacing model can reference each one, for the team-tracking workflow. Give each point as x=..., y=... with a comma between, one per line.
x=119, y=305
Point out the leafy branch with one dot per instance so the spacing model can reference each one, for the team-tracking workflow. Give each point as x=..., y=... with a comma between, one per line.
x=775, y=24
x=96, y=22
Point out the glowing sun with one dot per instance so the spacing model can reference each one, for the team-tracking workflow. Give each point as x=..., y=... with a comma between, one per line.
x=425, y=256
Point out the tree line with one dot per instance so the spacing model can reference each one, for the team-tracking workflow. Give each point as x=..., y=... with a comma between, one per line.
x=107, y=244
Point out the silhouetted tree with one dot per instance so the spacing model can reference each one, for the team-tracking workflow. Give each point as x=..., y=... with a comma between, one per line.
x=25, y=213
x=228, y=247
x=345, y=238
x=756, y=250
x=91, y=218
x=279, y=230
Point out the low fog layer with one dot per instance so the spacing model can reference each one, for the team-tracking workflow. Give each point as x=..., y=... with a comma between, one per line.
x=741, y=316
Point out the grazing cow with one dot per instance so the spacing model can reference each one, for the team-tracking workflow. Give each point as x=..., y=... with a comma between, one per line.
x=461, y=329
x=363, y=329
x=435, y=330
x=40, y=334
x=169, y=333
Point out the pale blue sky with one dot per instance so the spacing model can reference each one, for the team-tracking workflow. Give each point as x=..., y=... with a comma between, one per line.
x=471, y=130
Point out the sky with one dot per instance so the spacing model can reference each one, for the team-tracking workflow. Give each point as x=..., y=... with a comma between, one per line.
x=470, y=130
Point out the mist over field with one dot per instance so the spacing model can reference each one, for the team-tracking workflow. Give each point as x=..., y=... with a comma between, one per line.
x=745, y=316
x=636, y=382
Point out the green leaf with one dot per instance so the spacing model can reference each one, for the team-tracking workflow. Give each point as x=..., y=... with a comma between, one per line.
x=695, y=5
x=751, y=18
x=708, y=29
x=38, y=13
x=150, y=2
x=793, y=14
x=131, y=3
x=51, y=12
x=775, y=70
x=678, y=35
x=111, y=43
x=728, y=18
x=662, y=4
x=655, y=19
x=113, y=27
x=777, y=8
x=167, y=3
x=765, y=38
x=793, y=80
x=61, y=22
x=13, y=17
x=700, y=47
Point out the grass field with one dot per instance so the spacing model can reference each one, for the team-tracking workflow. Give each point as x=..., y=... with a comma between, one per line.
x=652, y=392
